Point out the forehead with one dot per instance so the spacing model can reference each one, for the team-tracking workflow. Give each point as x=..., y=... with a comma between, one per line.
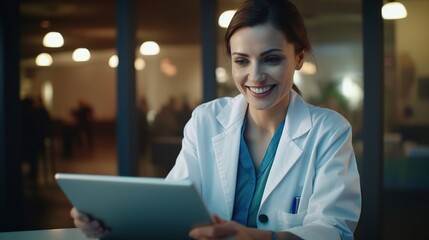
x=257, y=38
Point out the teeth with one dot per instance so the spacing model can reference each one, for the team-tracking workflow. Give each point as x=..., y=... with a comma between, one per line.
x=260, y=89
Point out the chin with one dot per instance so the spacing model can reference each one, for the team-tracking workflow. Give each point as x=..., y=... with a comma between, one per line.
x=260, y=106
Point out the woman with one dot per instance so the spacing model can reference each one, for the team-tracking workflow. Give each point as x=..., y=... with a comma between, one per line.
x=267, y=164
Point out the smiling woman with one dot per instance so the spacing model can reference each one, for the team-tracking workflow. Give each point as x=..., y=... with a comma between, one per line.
x=270, y=157
x=336, y=37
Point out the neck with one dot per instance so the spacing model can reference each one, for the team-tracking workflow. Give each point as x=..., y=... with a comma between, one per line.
x=268, y=120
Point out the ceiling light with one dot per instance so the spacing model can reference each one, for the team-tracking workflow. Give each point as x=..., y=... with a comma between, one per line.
x=43, y=60
x=393, y=10
x=53, y=40
x=139, y=64
x=225, y=18
x=81, y=55
x=113, y=61
x=149, y=48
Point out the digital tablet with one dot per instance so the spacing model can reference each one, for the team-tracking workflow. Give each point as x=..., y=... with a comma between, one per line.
x=137, y=207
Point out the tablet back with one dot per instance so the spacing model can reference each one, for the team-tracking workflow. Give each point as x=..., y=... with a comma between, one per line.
x=137, y=207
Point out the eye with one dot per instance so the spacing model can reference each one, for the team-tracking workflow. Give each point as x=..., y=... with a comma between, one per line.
x=241, y=61
x=273, y=60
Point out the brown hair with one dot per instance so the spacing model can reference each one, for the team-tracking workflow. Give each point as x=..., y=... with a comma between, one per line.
x=282, y=14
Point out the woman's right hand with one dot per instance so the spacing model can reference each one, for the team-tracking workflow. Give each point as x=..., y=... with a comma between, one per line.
x=92, y=228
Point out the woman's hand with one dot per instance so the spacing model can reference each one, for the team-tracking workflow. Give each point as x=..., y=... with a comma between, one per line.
x=223, y=229
x=92, y=228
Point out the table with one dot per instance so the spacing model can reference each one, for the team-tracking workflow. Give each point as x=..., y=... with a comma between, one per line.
x=57, y=234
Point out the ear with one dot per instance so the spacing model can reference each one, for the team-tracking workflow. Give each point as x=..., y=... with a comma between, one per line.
x=299, y=60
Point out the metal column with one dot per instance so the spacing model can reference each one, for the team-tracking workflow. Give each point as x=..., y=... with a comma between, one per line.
x=126, y=122
x=209, y=48
x=372, y=162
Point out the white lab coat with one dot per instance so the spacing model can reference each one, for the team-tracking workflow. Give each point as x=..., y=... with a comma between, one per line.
x=314, y=160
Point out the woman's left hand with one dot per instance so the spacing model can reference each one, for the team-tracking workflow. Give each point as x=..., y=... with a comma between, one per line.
x=222, y=229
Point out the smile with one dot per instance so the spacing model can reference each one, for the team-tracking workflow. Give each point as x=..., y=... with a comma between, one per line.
x=261, y=90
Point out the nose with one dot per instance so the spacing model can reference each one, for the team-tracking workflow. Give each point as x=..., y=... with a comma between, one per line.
x=256, y=73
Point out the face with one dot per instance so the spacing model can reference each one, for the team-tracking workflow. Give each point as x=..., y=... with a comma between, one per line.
x=263, y=65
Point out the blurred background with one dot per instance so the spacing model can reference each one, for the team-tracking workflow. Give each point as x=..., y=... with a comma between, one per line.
x=68, y=94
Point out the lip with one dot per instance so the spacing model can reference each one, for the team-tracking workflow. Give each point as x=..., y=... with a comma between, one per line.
x=261, y=95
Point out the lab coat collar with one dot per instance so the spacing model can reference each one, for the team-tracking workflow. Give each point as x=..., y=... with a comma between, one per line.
x=298, y=119
x=234, y=111
x=226, y=147
x=298, y=122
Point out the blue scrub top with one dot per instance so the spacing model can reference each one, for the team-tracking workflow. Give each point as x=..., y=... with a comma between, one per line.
x=250, y=185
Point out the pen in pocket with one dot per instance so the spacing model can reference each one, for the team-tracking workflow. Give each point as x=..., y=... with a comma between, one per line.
x=295, y=204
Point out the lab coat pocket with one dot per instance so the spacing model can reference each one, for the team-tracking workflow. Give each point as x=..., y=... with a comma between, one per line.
x=289, y=220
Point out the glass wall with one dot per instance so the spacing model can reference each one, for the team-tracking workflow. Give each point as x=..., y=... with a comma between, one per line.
x=406, y=123
x=407, y=98
x=169, y=84
x=68, y=101
x=75, y=91
x=77, y=99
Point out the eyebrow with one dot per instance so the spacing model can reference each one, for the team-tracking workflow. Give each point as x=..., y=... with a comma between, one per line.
x=262, y=54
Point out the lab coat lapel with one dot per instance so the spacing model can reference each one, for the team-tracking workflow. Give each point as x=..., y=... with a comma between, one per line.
x=297, y=123
x=226, y=147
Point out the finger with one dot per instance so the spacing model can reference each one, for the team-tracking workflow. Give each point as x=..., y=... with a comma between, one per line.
x=93, y=224
x=213, y=231
x=200, y=232
x=96, y=233
x=75, y=214
x=218, y=220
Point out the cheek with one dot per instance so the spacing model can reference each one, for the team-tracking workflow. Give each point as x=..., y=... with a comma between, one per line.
x=286, y=74
x=279, y=75
x=288, y=81
x=237, y=75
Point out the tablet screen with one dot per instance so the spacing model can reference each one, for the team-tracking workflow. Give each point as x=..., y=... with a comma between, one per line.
x=137, y=207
